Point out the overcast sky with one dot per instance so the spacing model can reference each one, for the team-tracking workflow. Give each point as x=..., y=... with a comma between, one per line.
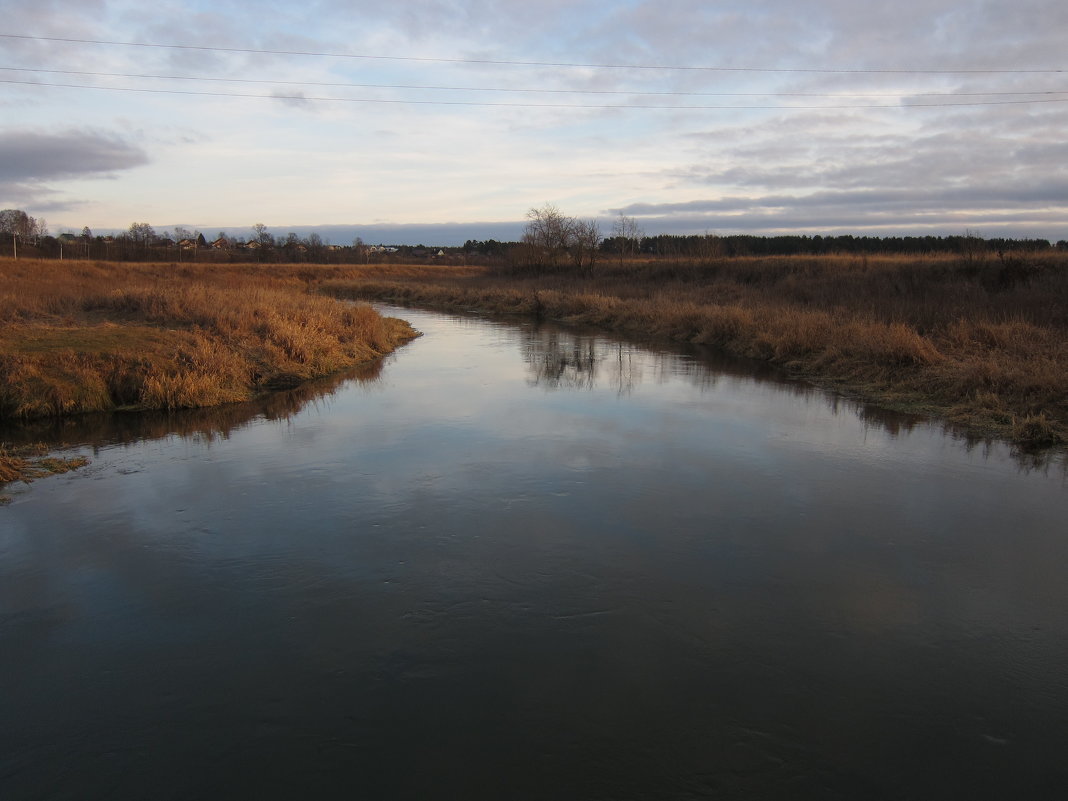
x=693, y=116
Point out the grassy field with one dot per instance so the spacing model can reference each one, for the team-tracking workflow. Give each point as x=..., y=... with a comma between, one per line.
x=81, y=337
x=980, y=342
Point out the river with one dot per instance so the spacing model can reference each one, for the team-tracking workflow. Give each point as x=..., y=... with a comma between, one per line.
x=518, y=561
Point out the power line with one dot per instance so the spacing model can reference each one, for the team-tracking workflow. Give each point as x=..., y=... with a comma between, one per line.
x=432, y=87
x=515, y=63
x=398, y=101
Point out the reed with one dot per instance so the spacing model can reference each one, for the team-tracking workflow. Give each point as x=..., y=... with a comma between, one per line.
x=981, y=342
x=81, y=337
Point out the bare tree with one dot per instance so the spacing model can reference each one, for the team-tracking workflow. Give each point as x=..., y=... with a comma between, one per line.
x=360, y=249
x=21, y=227
x=973, y=248
x=263, y=236
x=137, y=239
x=628, y=236
x=548, y=236
x=141, y=233
x=585, y=239
x=13, y=225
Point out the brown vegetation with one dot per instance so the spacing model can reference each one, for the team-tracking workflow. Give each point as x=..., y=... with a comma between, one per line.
x=982, y=342
x=27, y=462
x=25, y=457
x=78, y=337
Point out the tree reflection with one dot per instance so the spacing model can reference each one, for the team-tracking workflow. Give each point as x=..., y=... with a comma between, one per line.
x=558, y=357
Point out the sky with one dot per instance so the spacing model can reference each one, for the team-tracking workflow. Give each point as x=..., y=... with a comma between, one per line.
x=438, y=121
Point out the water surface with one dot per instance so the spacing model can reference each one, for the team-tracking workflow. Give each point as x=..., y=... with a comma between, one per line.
x=516, y=561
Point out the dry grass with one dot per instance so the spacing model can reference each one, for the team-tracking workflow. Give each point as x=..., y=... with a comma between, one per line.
x=982, y=343
x=81, y=337
x=26, y=457
x=27, y=462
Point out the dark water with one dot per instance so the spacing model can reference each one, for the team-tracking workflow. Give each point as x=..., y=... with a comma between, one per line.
x=518, y=562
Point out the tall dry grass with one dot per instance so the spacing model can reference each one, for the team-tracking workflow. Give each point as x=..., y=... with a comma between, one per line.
x=78, y=337
x=982, y=342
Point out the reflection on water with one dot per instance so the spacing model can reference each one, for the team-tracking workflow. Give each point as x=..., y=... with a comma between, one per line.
x=574, y=358
x=529, y=562
x=558, y=360
x=578, y=359
x=207, y=423
x=569, y=359
x=557, y=357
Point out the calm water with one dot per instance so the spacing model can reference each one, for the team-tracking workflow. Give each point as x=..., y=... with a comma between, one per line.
x=517, y=562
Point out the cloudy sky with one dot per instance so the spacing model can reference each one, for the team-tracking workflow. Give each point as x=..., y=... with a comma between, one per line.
x=443, y=120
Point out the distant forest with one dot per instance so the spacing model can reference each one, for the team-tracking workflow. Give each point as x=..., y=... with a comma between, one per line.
x=23, y=236
x=713, y=246
x=791, y=245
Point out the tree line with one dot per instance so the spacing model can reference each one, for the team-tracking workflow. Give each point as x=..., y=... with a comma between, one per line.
x=21, y=234
x=551, y=241
x=712, y=246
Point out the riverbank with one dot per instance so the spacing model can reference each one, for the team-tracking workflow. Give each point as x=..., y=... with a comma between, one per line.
x=81, y=337
x=981, y=343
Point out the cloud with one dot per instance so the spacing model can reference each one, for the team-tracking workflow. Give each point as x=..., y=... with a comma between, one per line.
x=381, y=153
x=36, y=156
x=995, y=210
x=293, y=99
x=29, y=159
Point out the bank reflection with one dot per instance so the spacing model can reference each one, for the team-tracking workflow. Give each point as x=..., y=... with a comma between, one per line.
x=564, y=358
x=210, y=423
x=559, y=358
